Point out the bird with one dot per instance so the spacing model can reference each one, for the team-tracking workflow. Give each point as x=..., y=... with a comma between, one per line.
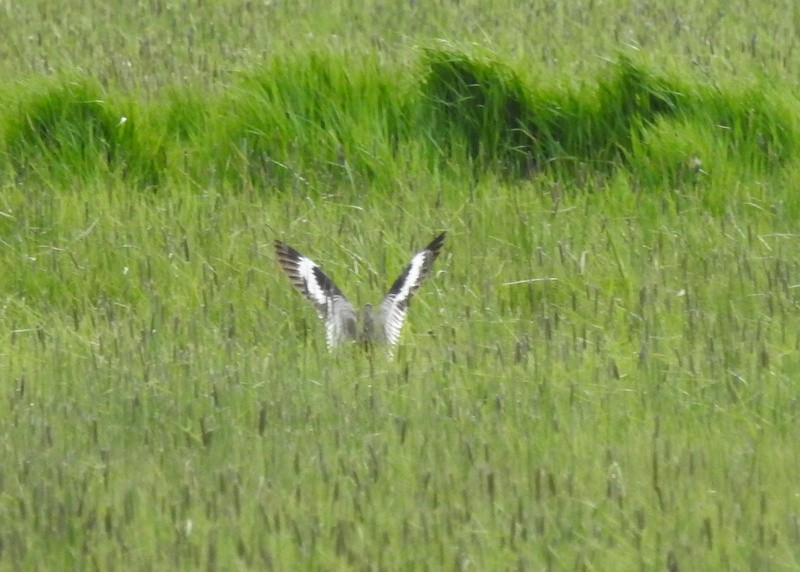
x=379, y=325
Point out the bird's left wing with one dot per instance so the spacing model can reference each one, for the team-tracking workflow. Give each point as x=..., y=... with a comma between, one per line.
x=331, y=304
x=393, y=308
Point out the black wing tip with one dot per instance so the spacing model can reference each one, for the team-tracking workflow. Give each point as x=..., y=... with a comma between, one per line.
x=284, y=250
x=436, y=244
x=431, y=253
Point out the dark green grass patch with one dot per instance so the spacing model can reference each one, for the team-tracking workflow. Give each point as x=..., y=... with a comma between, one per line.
x=305, y=118
x=313, y=120
x=507, y=125
x=511, y=127
x=70, y=130
x=480, y=106
x=323, y=117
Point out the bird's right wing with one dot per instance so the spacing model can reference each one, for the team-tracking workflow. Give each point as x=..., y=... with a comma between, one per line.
x=331, y=304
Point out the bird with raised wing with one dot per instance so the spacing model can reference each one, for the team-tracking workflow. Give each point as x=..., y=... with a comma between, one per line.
x=342, y=324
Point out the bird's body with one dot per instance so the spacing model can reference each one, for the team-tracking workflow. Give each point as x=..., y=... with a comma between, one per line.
x=342, y=324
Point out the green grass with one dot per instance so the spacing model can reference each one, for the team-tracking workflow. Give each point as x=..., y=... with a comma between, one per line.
x=600, y=373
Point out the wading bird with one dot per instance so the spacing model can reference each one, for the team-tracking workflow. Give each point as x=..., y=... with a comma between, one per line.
x=341, y=322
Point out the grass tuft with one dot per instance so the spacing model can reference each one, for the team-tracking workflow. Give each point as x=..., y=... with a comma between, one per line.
x=481, y=106
x=319, y=119
x=307, y=117
x=71, y=130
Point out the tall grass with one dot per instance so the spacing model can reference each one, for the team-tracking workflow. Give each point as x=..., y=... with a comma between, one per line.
x=170, y=400
x=600, y=372
x=67, y=130
x=320, y=116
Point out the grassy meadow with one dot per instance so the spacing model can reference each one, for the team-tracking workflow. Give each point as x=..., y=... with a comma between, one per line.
x=601, y=372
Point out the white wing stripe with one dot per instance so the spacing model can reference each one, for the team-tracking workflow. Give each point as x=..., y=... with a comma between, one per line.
x=394, y=306
x=305, y=267
x=413, y=277
x=331, y=305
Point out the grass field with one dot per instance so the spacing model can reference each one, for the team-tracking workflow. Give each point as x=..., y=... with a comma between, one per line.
x=601, y=373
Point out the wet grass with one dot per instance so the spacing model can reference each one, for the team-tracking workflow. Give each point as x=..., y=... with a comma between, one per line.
x=600, y=373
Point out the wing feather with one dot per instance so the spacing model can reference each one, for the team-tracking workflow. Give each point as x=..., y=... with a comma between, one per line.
x=393, y=308
x=331, y=304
